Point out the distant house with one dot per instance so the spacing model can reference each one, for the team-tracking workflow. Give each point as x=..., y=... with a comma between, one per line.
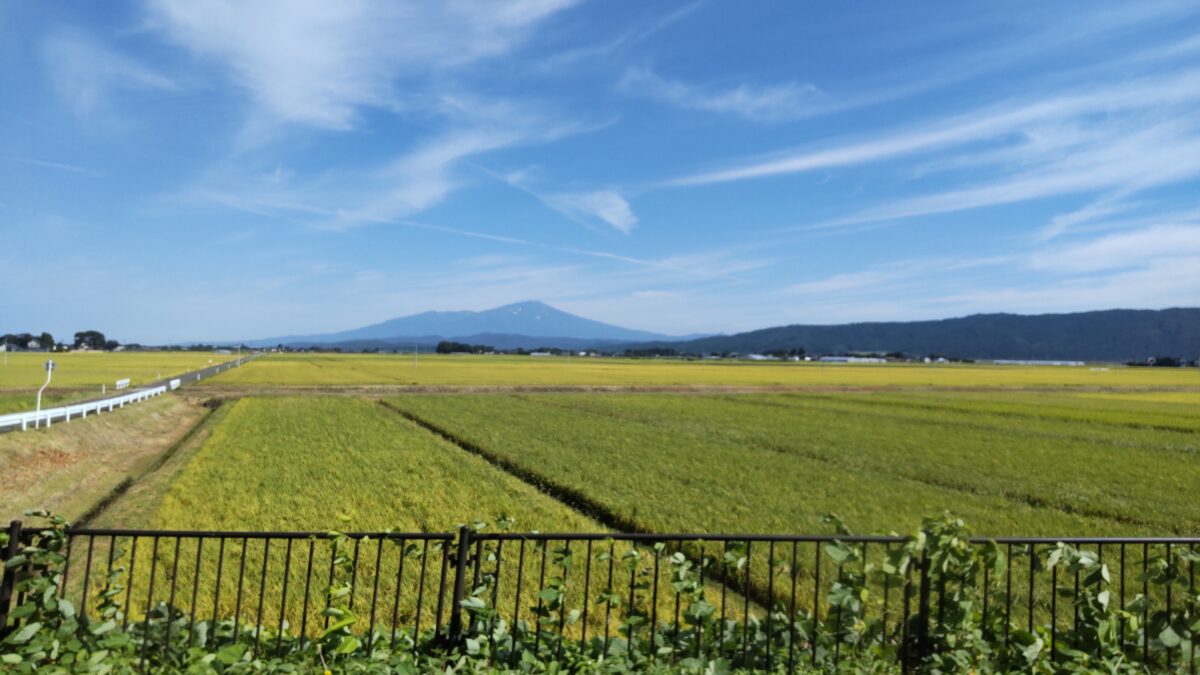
x=1035, y=362
x=33, y=344
x=540, y=354
x=851, y=359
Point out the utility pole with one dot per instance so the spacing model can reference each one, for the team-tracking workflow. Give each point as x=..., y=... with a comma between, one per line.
x=37, y=418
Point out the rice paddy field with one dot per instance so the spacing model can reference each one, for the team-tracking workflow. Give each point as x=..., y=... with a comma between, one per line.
x=80, y=375
x=1028, y=462
x=352, y=370
x=309, y=442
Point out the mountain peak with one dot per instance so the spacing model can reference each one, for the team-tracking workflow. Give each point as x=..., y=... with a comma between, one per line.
x=529, y=318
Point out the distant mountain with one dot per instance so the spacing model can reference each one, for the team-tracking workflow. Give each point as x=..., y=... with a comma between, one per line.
x=532, y=320
x=1110, y=335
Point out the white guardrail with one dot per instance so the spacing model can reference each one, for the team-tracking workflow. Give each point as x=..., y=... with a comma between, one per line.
x=65, y=413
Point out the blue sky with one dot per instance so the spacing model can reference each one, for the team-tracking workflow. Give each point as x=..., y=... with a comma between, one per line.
x=187, y=169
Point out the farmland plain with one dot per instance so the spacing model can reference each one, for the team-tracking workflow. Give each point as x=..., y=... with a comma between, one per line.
x=283, y=371
x=1042, y=464
x=663, y=446
x=308, y=463
x=80, y=375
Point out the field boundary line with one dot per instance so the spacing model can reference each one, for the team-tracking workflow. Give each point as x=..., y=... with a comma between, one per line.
x=566, y=495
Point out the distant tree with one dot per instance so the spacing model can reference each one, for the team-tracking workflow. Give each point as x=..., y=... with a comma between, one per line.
x=47, y=341
x=92, y=339
x=111, y=344
x=652, y=352
x=451, y=347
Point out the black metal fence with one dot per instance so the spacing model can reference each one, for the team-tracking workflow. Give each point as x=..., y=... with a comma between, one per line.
x=778, y=601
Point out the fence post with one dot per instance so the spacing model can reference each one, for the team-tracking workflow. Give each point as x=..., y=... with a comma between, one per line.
x=460, y=584
x=920, y=637
x=9, y=577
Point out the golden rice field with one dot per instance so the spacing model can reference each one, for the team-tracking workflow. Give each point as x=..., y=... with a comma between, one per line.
x=80, y=375
x=348, y=370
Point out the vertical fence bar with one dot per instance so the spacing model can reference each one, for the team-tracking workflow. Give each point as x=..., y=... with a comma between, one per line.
x=1170, y=583
x=1121, y=636
x=1007, y=594
x=537, y=617
x=171, y=595
x=887, y=584
x=287, y=572
x=1146, y=611
x=1032, y=553
x=654, y=603
x=8, y=577
x=149, y=602
x=816, y=621
x=496, y=598
x=793, y=573
x=354, y=573
x=217, y=586
x=770, y=595
x=420, y=593
x=194, y=610
x=62, y=590
x=441, y=599
x=1054, y=613
x=562, y=606
x=374, y=594
x=724, y=584
x=922, y=637
x=307, y=584
x=608, y=605
x=129, y=585
x=587, y=585
x=237, y=612
x=332, y=560
x=905, y=647
x=746, y=607
x=460, y=582
x=517, y=603
x=399, y=588
x=87, y=576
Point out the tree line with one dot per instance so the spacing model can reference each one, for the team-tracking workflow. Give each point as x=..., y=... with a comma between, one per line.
x=91, y=339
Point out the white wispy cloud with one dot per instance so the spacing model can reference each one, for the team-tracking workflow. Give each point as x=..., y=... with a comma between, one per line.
x=85, y=73
x=316, y=63
x=996, y=122
x=1158, y=155
x=605, y=205
x=1148, y=246
x=61, y=166
x=562, y=60
x=770, y=103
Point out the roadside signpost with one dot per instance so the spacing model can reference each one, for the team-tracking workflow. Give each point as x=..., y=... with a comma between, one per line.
x=49, y=372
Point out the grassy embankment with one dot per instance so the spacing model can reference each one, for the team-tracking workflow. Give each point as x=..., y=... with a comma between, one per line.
x=73, y=466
